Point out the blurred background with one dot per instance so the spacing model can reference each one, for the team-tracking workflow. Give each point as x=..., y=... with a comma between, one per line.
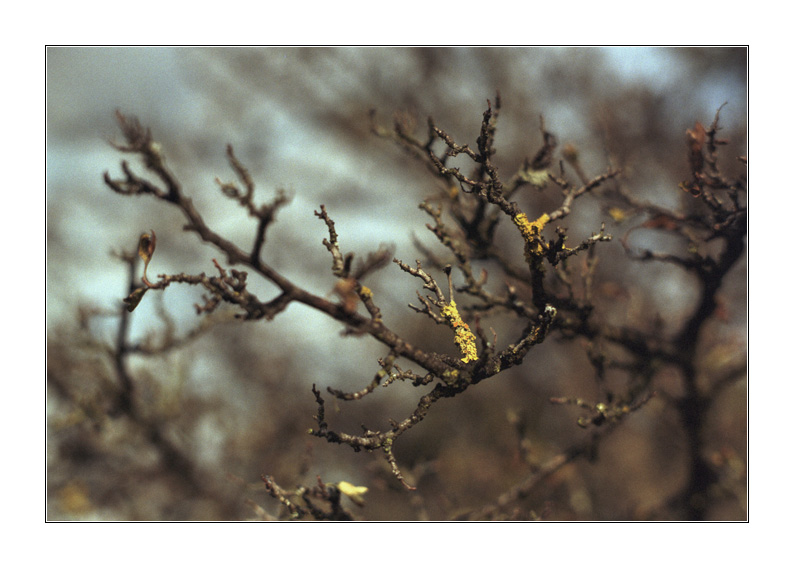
x=237, y=400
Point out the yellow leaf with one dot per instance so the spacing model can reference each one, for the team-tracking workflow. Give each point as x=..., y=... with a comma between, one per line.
x=355, y=493
x=617, y=214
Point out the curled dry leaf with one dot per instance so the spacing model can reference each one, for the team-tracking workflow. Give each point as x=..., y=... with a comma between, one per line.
x=146, y=246
x=135, y=298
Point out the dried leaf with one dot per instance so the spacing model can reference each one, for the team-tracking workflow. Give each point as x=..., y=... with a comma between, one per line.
x=135, y=298
x=146, y=246
x=345, y=288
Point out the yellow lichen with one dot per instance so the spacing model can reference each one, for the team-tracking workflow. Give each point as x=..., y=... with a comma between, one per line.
x=531, y=232
x=464, y=338
x=450, y=376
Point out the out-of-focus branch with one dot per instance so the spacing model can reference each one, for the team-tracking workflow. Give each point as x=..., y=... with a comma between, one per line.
x=513, y=497
x=544, y=292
